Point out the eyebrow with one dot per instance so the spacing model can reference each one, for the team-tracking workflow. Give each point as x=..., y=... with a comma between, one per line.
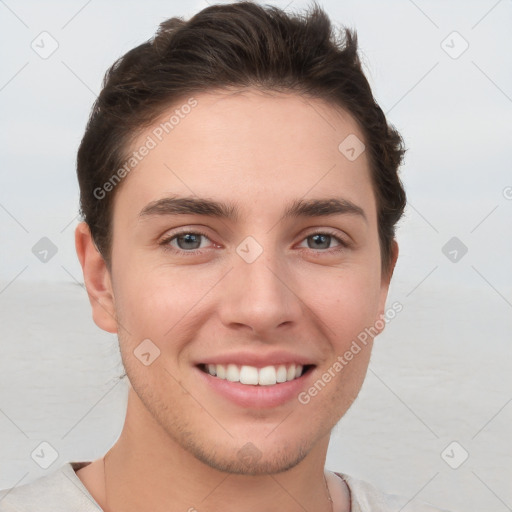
x=230, y=211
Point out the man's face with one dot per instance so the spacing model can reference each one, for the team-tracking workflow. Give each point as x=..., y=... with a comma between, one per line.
x=254, y=289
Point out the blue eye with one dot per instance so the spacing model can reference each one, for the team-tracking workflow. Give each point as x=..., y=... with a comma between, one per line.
x=323, y=241
x=186, y=241
x=190, y=242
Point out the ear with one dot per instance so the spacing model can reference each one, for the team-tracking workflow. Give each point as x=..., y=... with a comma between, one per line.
x=385, y=281
x=386, y=278
x=97, y=279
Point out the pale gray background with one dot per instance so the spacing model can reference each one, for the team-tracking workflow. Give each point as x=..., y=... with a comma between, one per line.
x=440, y=372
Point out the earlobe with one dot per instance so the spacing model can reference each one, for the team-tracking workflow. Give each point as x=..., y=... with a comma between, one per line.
x=96, y=279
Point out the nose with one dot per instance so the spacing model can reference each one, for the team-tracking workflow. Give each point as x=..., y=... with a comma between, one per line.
x=260, y=296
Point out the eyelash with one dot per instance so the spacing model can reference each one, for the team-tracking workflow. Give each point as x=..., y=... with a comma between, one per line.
x=165, y=243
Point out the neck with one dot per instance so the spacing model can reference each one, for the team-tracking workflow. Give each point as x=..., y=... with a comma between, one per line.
x=147, y=471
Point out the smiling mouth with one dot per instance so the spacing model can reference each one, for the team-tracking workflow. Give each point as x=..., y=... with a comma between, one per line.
x=252, y=376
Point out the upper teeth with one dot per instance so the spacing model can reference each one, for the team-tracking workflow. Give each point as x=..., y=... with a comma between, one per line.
x=267, y=376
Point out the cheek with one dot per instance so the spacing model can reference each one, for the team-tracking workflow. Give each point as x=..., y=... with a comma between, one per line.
x=347, y=307
x=347, y=303
x=161, y=302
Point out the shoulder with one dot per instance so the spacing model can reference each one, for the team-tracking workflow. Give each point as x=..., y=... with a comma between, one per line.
x=364, y=497
x=60, y=491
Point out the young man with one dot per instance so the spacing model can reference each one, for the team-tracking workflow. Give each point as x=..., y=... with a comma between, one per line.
x=239, y=190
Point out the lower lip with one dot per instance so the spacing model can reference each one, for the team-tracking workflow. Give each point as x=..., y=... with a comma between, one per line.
x=259, y=397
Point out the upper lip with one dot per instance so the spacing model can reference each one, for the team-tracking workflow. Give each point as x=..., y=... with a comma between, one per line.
x=258, y=360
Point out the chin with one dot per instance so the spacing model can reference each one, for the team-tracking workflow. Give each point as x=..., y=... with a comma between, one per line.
x=248, y=460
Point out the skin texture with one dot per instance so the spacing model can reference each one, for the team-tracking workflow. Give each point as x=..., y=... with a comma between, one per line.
x=179, y=447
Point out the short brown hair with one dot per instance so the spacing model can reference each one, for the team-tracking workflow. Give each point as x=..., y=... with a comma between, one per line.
x=238, y=45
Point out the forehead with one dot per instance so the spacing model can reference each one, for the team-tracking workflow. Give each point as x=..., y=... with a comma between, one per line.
x=259, y=147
